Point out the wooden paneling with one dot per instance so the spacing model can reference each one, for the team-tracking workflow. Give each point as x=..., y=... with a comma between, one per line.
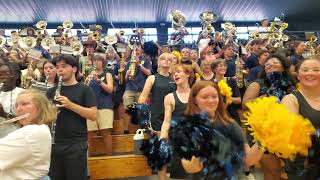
x=117, y=127
x=120, y=144
x=122, y=166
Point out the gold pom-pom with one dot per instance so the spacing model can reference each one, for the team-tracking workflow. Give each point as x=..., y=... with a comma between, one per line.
x=225, y=91
x=277, y=129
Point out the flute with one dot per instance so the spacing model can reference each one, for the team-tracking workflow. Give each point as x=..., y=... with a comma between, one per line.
x=15, y=119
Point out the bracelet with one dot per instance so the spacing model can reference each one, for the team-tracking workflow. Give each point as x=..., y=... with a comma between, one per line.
x=99, y=82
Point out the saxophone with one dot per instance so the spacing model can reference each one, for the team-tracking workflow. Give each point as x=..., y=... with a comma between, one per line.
x=121, y=70
x=239, y=72
x=133, y=64
x=27, y=79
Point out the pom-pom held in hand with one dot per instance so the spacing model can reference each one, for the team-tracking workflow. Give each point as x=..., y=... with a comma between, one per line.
x=225, y=91
x=157, y=151
x=279, y=85
x=279, y=131
x=196, y=136
x=140, y=114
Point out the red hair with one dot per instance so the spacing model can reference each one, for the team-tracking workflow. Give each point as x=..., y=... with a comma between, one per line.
x=192, y=107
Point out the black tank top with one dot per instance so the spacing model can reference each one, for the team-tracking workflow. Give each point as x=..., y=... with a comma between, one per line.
x=179, y=108
x=306, y=110
x=162, y=86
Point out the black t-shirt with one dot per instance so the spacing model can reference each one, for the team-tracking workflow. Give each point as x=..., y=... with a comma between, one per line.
x=70, y=126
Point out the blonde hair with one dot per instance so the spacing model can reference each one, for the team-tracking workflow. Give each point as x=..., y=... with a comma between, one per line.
x=164, y=55
x=47, y=111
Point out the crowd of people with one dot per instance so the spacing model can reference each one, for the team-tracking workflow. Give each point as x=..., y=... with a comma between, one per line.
x=86, y=90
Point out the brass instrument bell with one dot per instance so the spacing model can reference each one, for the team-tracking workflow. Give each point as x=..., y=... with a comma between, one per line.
x=41, y=25
x=178, y=18
x=67, y=24
x=283, y=26
x=47, y=42
x=14, y=41
x=313, y=39
x=109, y=39
x=2, y=41
x=28, y=42
x=77, y=47
x=228, y=26
x=208, y=16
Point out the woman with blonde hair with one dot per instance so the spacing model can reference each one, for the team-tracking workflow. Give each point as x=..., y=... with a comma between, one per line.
x=25, y=153
x=159, y=85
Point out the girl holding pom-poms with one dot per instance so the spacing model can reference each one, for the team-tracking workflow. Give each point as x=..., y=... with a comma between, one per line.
x=205, y=97
x=174, y=107
x=306, y=102
x=274, y=80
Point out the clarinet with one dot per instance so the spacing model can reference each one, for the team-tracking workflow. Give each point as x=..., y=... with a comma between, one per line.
x=58, y=90
x=57, y=94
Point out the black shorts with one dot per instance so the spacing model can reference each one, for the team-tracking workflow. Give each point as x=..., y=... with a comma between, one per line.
x=69, y=161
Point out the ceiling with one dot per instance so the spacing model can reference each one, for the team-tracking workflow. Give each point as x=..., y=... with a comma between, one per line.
x=153, y=11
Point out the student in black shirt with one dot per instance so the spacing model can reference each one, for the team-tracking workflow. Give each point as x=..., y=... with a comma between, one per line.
x=69, y=152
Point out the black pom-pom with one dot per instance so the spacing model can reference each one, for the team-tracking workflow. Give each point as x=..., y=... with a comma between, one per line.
x=219, y=149
x=157, y=151
x=140, y=114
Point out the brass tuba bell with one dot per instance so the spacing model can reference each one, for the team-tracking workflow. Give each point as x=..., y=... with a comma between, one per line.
x=47, y=42
x=42, y=25
x=14, y=41
x=77, y=47
x=178, y=19
x=208, y=16
x=109, y=39
x=28, y=42
x=67, y=24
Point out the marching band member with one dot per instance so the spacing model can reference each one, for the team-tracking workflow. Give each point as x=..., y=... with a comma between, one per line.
x=135, y=82
x=101, y=83
x=25, y=153
x=69, y=153
x=264, y=29
x=10, y=77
